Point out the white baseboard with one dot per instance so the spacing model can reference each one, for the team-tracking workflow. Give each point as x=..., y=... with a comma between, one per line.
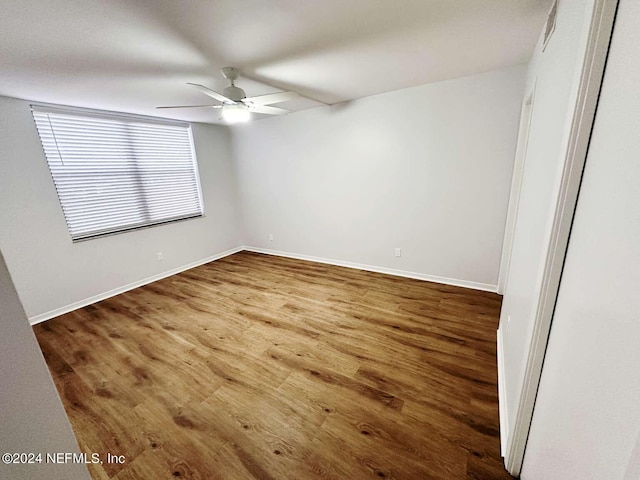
x=371, y=268
x=116, y=291
x=389, y=271
x=502, y=397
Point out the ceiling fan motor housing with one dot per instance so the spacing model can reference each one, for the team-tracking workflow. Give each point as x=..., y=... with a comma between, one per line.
x=234, y=93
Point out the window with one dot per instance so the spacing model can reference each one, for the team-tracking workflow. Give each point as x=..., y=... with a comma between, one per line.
x=115, y=173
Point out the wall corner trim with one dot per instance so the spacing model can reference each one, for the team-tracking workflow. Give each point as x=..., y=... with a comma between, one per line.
x=502, y=395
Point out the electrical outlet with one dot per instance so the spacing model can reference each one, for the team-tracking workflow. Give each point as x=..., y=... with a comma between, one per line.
x=160, y=256
x=271, y=237
x=398, y=252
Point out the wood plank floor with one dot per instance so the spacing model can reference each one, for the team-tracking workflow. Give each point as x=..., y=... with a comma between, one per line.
x=262, y=367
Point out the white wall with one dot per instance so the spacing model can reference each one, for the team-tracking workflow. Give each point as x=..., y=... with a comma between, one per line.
x=426, y=169
x=586, y=423
x=50, y=272
x=555, y=74
x=32, y=416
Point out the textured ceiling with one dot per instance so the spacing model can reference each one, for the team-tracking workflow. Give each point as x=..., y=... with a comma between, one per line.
x=134, y=55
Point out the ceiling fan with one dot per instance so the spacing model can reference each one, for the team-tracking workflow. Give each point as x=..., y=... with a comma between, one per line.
x=235, y=105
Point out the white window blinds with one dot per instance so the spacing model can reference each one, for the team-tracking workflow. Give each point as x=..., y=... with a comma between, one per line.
x=115, y=173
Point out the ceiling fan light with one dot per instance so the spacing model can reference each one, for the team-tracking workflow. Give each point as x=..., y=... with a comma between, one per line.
x=235, y=113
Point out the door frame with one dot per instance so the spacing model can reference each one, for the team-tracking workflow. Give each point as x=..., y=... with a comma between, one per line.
x=526, y=113
x=590, y=83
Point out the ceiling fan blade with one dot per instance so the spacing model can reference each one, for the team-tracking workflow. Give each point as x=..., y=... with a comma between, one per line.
x=192, y=106
x=211, y=93
x=272, y=98
x=268, y=110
